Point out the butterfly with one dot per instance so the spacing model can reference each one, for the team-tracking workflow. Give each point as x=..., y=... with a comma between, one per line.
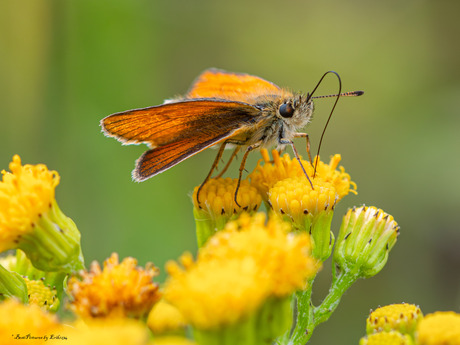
x=221, y=108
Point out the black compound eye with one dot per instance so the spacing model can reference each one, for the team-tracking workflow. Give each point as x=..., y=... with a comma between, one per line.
x=286, y=110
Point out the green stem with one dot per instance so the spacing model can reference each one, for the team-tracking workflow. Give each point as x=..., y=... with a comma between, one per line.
x=341, y=284
x=304, y=315
x=309, y=316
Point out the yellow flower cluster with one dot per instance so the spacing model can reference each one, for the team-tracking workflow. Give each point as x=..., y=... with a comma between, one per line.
x=119, y=289
x=238, y=269
x=283, y=184
x=265, y=176
x=25, y=194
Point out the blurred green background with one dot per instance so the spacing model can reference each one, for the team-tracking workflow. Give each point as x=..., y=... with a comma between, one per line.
x=64, y=65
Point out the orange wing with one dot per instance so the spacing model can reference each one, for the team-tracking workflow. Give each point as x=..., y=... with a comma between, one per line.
x=157, y=160
x=178, y=130
x=215, y=83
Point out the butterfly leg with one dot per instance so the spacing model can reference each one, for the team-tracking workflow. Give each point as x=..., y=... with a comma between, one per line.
x=291, y=143
x=214, y=165
x=229, y=161
x=243, y=162
x=305, y=135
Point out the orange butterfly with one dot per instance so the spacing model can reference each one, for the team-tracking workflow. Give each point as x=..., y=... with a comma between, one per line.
x=220, y=108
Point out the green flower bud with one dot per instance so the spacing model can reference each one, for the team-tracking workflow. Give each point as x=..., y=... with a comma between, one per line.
x=366, y=236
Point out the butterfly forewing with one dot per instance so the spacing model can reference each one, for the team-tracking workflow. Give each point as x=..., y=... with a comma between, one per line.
x=178, y=130
x=215, y=83
x=173, y=121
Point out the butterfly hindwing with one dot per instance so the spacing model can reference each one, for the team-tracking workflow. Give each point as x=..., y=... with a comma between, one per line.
x=216, y=83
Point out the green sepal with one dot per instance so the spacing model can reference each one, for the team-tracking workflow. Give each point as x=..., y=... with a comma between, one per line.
x=12, y=285
x=54, y=243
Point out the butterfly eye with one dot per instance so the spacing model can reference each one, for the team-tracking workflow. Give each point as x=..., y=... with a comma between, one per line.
x=286, y=110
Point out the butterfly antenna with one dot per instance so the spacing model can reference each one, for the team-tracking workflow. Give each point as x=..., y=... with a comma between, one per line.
x=340, y=94
x=330, y=115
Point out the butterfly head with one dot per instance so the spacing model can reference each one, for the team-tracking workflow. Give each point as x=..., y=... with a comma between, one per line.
x=296, y=111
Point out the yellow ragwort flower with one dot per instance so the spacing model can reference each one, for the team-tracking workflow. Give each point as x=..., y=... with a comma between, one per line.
x=217, y=197
x=267, y=175
x=119, y=289
x=296, y=199
x=113, y=331
x=165, y=318
x=42, y=295
x=25, y=322
x=308, y=209
x=31, y=220
x=238, y=269
x=397, y=317
x=25, y=194
x=338, y=178
x=387, y=338
x=439, y=328
x=217, y=205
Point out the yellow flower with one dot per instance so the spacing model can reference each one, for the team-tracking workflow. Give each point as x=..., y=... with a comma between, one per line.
x=25, y=194
x=165, y=318
x=439, y=328
x=386, y=338
x=114, y=331
x=31, y=220
x=288, y=192
x=217, y=205
x=338, y=178
x=119, y=289
x=264, y=177
x=25, y=322
x=308, y=209
x=42, y=295
x=296, y=199
x=237, y=270
x=398, y=317
x=217, y=197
